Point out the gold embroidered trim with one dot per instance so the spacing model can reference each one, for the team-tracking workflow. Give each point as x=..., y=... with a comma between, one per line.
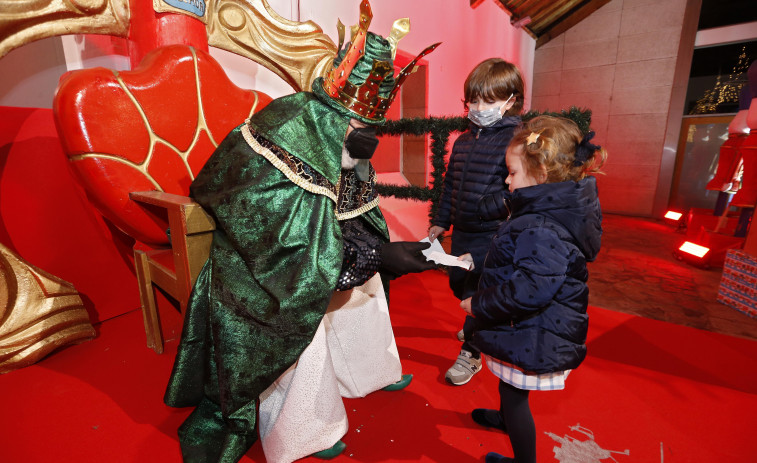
x=304, y=183
x=280, y=165
x=359, y=211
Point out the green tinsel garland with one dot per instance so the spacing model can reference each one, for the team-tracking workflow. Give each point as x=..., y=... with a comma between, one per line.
x=439, y=129
x=582, y=117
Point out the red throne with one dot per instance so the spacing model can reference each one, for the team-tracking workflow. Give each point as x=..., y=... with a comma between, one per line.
x=135, y=141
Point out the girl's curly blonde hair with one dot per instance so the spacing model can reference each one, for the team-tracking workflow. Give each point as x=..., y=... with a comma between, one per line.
x=556, y=146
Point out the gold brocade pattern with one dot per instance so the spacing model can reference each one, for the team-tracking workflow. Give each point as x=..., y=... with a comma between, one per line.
x=294, y=169
x=352, y=196
x=355, y=196
x=38, y=313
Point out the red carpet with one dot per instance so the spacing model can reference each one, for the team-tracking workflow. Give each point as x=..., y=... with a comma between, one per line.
x=648, y=392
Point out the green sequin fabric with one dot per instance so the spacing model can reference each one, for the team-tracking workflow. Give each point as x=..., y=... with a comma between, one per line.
x=274, y=263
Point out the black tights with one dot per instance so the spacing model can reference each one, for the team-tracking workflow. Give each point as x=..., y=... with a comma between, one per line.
x=519, y=422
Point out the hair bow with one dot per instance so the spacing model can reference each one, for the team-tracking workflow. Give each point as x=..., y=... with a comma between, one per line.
x=584, y=150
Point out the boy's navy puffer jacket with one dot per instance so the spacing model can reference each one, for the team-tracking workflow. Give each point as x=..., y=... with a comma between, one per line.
x=530, y=309
x=474, y=185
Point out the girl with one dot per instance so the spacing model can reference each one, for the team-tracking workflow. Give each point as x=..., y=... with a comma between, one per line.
x=530, y=309
x=474, y=186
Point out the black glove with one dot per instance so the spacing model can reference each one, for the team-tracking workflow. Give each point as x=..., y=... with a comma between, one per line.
x=403, y=257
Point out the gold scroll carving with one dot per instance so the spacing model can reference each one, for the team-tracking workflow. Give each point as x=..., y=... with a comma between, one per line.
x=39, y=313
x=25, y=21
x=298, y=52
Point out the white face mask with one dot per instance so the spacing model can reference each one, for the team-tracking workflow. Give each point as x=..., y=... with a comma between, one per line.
x=487, y=117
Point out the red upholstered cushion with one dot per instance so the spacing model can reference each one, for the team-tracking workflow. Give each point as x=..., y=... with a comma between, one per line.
x=152, y=128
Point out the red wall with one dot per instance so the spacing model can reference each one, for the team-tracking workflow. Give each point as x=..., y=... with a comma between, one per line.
x=46, y=218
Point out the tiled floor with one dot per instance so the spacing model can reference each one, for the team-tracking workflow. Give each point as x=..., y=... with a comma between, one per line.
x=637, y=273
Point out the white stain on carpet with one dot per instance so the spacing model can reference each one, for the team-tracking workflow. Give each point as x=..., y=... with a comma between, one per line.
x=581, y=449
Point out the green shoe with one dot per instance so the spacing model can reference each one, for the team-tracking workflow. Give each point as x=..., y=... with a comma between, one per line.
x=401, y=384
x=332, y=452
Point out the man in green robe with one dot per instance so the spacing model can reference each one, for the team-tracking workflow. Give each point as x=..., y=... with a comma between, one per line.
x=293, y=226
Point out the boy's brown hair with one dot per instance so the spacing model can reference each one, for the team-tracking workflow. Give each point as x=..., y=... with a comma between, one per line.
x=560, y=150
x=495, y=79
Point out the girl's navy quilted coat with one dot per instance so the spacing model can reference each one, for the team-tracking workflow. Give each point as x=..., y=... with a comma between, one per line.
x=530, y=309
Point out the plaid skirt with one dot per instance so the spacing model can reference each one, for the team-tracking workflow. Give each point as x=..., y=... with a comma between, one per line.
x=515, y=377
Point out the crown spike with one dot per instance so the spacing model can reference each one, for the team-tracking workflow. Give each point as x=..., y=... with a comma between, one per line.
x=407, y=70
x=364, y=100
x=341, y=31
x=338, y=76
x=400, y=28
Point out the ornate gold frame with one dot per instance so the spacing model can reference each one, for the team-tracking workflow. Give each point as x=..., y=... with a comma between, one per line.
x=39, y=313
x=298, y=52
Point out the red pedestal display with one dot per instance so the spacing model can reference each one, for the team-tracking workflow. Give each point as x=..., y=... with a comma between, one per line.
x=712, y=232
x=717, y=243
x=698, y=218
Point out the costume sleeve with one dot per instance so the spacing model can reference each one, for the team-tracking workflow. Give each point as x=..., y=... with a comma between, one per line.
x=540, y=265
x=362, y=254
x=284, y=238
x=273, y=266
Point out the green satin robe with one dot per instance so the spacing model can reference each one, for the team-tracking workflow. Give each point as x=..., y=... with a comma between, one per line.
x=277, y=200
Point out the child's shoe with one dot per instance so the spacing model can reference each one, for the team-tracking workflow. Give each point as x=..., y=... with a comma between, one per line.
x=464, y=368
x=494, y=457
x=461, y=336
x=488, y=418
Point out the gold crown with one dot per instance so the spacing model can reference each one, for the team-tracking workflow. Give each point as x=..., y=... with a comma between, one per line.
x=364, y=99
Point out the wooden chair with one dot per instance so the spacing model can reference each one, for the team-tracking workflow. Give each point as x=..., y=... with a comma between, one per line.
x=173, y=268
x=136, y=140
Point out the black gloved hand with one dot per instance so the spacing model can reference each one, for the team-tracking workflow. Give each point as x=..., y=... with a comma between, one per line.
x=403, y=257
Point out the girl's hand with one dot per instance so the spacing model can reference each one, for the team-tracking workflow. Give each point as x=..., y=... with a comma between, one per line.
x=465, y=305
x=467, y=257
x=435, y=232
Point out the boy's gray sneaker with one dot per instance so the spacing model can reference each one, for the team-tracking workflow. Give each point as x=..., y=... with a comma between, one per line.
x=464, y=368
x=461, y=336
